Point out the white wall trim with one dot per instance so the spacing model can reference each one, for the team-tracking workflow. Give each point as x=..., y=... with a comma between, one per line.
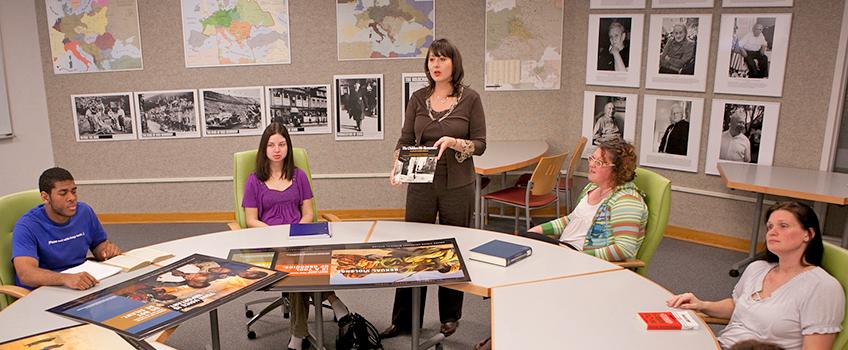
x=837, y=94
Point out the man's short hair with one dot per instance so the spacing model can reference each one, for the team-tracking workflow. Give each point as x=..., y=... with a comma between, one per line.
x=50, y=177
x=617, y=25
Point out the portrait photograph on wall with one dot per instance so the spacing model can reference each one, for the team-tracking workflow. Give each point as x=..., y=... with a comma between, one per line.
x=742, y=132
x=614, y=53
x=755, y=3
x=676, y=61
x=359, y=107
x=167, y=114
x=659, y=4
x=303, y=109
x=607, y=116
x=671, y=132
x=751, y=54
x=412, y=82
x=235, y=111
x=617, y=4
x=104, y=117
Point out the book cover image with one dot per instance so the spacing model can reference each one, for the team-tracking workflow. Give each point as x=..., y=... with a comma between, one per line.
x=78, y=337
x=169, y=295
x=416, y=164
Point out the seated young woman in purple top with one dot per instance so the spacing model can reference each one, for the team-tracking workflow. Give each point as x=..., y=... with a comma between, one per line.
x=278, y=193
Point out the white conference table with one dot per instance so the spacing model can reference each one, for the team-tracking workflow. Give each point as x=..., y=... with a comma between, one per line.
x=548, y=263
x=503, y=156
x=807, y=184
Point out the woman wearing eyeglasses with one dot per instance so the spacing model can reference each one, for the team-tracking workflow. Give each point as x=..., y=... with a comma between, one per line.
x=609, y=219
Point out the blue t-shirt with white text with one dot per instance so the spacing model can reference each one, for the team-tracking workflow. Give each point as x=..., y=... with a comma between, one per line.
x=56, y=247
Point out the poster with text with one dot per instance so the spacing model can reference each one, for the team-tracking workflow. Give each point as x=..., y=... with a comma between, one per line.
x=303, y=109
x=607, y=116
x=104, y=117
x=678, y=48
x=167, y=114
x=237, y=111
x=412, y=82
x=751, y=54
x=77, y=337
x=614, y=52
x=742, y=132
x=671, y=132
x=359, y=107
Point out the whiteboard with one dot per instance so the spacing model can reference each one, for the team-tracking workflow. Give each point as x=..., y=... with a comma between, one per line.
x=5, y=115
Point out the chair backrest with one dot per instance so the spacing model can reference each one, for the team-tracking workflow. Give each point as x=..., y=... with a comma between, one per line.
x=546, y=174
x=657, y=191
x=12, y=206
x=244, y=163
x=575, y=160
x=835, y=262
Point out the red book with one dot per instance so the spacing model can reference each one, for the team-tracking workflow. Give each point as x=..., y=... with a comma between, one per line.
x=669, y=320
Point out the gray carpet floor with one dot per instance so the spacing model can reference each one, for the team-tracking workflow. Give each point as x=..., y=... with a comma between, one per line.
x=677, y=265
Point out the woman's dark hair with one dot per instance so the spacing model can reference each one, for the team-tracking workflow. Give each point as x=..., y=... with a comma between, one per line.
x=623, y=157
x=443, y=48
x=263, y=165
x=808, y=220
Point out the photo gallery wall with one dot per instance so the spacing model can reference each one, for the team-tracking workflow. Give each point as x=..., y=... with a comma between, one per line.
x=750, y=60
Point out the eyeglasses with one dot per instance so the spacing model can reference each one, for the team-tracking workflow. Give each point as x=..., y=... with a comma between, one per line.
x=598, y=162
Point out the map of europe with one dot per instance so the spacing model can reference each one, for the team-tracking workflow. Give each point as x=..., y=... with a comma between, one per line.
x=235, y=32
x=369, y=29
x=93, y=35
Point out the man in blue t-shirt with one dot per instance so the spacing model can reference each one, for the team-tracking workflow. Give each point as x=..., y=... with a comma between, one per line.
x=57, y=235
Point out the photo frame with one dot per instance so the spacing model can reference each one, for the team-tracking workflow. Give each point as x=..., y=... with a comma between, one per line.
x=411, y=83
x=303, y=109
x=616, y=4
x=104, y=117
x=236, y=111
x=755, y=126
x=667, y=4
x=167, y=114
x=743, y=69
x=671, y=132
x=359, y=107
x=756, y=3
x=620, y=109
x=678, y=52
x=614, y=56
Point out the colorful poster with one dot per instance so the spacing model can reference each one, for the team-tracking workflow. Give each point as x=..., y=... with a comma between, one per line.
x=384, y=29
x=364, y=265
x=78, y=337
x=168, y=296
x=93, y=36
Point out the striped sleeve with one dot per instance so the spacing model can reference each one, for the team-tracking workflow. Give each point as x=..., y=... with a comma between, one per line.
x=555, y=227
x=628, y=217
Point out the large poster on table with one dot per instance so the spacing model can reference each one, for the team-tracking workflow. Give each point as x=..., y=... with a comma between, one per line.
x=77, y=337
x=362, y=265
x=168, y=296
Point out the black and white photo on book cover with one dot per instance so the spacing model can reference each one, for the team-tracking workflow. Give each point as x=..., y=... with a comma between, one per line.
x=416, y=164
x=671, y=132
x=303, y=109
x=236, y=111
x=359, y=107
x=167, y=114
x=607, y=116
x=678, y=48
x=742, y=132
x=104, y=117
x=751, y=54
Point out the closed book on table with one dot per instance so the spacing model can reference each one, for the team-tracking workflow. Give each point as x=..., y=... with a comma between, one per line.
x=500, y=253
x=669, y=320
x=310, y=230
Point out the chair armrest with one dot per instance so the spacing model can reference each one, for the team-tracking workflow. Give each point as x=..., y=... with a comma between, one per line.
x=630, y=263
x=234, y=226
x=330, y=217
x=712, y=320
x=14, y=291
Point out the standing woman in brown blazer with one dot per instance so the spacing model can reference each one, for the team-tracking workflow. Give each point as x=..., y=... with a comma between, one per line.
x=449, y=115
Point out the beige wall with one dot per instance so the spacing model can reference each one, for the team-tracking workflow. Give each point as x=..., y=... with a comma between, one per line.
x=553, y=116
x=26, y=155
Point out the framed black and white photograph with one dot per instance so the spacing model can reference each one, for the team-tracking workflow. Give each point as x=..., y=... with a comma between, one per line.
x=236, y=111
x=742, y=132
x=617, y=4
x=671, y=132
x=614, y=53
x=751, y=54
x=303, y=109
x=756, y=3
x=412, y=82
x=679, y=4
x=167, y=114
x=359, y=107
x=104, y=117
x=678, y=52
x=607, y=116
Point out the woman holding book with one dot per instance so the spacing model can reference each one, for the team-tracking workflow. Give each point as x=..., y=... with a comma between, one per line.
x=787, y=298
x=278, y=193
x=447, y=115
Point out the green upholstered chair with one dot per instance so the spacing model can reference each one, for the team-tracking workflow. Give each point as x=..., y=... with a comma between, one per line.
x=657, y=191
x=12, y=206
x=835, y=262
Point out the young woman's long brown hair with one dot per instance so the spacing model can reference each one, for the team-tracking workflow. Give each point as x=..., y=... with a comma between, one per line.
x=263, y=165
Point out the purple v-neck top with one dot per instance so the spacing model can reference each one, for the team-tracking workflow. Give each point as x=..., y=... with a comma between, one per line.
x=277, y=207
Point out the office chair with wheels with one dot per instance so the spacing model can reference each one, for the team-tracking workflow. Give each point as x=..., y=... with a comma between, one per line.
x=657, y=196
x=12, y=206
